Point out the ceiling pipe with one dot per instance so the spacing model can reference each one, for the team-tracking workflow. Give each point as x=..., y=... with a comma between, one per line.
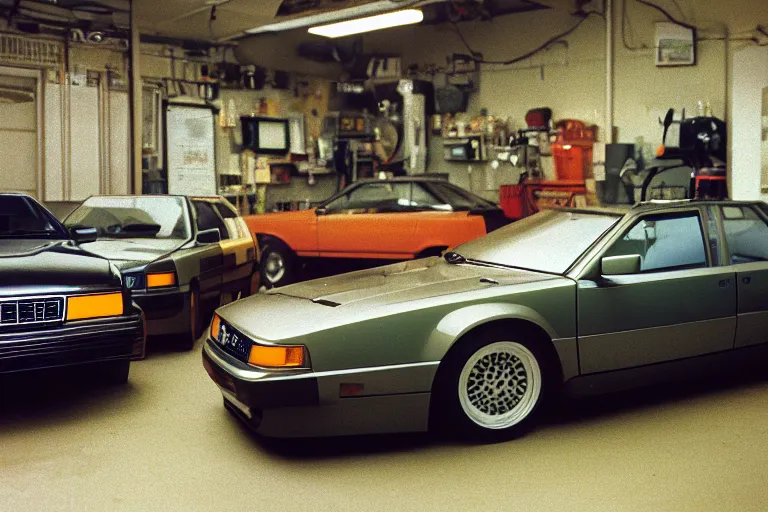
x=609, y=71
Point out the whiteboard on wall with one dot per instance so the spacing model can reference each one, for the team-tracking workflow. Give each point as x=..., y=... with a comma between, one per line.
x=191, y=157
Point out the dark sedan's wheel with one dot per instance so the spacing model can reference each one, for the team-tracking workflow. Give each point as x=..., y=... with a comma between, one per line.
x=195, y=321
x=491, y=388
x=253, y=284
x=278, y=264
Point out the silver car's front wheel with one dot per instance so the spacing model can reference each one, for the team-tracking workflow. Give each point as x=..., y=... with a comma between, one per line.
x=499, y=385
x=488, y=388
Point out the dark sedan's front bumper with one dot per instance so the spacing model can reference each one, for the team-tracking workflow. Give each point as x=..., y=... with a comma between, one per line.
x=84, y=341
x=167, y=311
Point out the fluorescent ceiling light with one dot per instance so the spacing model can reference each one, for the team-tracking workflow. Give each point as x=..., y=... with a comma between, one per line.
x=369, y=24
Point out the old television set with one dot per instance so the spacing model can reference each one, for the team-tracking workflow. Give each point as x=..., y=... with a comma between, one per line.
x=266, y=135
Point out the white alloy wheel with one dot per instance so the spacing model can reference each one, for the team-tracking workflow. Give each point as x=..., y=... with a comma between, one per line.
x=274, y=267
x=500, y=385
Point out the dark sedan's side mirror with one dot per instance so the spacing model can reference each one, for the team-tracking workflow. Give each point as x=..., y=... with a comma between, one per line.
x=620, y=265
x=83, y=234
x=208, y=236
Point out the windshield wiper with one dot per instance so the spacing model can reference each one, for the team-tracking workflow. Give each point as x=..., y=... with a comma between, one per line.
x=454, y=258
x=28, y=233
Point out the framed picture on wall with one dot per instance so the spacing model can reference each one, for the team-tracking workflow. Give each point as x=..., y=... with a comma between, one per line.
x=675, y=45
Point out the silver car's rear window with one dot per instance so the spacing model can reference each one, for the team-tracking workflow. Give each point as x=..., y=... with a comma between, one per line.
x=549, y=241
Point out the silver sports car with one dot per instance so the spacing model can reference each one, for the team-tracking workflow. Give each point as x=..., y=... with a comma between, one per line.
x=479, y=340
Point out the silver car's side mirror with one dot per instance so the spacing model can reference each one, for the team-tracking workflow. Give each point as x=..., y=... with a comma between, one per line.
x=208, y=236
x=620, y=265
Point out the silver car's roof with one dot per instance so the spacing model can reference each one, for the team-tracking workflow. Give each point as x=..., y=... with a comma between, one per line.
x=646, y=206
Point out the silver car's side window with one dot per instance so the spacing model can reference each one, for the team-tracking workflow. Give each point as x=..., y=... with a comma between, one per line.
x=746, y=234
x=664, y=242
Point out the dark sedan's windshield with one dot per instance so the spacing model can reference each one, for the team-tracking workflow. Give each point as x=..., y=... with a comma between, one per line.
x=133, y=217
x=23, y=218
x=550, y=241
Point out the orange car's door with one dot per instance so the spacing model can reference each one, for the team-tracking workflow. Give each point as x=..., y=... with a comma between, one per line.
x=367, y=235
x=373, y=220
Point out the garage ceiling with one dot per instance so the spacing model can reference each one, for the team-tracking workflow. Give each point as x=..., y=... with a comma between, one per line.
x=191, y=19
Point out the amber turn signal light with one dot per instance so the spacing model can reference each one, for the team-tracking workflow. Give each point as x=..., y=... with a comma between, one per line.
x=161, y=280
x=215, y=326
x=660, y=150
x=276, y=357
x=94, y=306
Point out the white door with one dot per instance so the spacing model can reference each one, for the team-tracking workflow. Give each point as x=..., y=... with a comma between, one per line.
x=18, y=133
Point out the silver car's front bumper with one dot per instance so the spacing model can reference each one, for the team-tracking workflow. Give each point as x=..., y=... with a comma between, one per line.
x=307, y=404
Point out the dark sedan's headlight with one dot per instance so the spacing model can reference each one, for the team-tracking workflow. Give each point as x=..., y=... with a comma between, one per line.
x=157, y=275
x=161, y=279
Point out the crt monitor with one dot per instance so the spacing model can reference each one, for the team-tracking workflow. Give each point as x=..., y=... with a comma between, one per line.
x=266, y=135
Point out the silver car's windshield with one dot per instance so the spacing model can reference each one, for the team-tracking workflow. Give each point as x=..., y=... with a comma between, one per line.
x=550, y=241
x=133, y=217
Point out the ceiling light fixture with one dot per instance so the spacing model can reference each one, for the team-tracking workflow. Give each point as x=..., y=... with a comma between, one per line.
x=369, y=24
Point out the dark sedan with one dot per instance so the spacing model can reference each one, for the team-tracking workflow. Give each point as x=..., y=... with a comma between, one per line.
x=182, y=257
x=59, y=305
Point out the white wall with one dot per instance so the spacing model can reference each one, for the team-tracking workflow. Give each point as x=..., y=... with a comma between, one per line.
x=569, y=79
x=750, y=77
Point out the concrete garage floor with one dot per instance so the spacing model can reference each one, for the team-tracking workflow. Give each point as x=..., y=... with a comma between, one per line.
x=165, y=442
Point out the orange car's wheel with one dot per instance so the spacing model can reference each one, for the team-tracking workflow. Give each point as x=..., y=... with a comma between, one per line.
x=278, y=264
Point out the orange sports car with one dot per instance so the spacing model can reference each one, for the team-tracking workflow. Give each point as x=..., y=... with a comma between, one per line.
x=369, y=223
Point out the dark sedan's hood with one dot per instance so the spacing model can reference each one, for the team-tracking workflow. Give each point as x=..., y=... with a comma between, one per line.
x=50, y=265
x=300, y=309
x=11, y=248
x=126, y=253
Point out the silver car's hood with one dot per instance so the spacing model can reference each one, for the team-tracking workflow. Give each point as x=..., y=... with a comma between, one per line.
x=303, y=308
x=131, y=251
x=410, y=280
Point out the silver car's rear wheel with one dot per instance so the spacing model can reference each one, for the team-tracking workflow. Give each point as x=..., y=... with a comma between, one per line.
x=499, y=385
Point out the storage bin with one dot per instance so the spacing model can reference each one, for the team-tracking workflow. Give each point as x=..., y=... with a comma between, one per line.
x=512, y=200
x=572, y=161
